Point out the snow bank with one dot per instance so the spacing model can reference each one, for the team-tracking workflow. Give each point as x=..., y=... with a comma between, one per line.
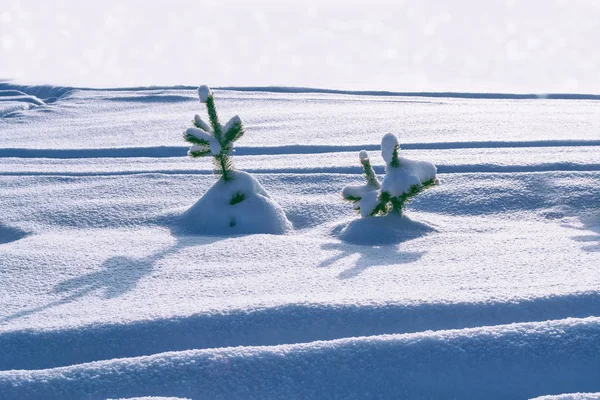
x=496, y=363
x=240, y=206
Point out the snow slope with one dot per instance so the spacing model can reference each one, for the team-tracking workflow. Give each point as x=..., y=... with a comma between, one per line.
x=103, y=293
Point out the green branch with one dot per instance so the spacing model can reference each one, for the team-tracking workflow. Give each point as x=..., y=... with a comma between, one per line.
x=214, y=119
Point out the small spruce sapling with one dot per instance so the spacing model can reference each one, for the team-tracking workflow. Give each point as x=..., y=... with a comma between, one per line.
x=404, y=179
x=215, y=139
x=236, y=203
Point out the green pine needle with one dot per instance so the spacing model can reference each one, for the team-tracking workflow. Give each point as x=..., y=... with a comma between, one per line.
x=194, y=140
x=234, y=133
x=199, y=153
x=223, y=165
x=395, y=161
x=237, y=198
x=369, y=173
x=214, y=118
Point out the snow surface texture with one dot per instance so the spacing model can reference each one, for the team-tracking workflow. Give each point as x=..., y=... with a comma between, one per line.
x=103, y=296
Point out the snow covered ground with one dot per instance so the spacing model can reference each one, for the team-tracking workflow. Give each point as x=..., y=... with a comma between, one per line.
x=104, y=294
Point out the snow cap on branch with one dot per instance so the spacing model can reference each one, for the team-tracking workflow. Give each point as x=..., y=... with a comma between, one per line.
x=204, y=92
x=368, y=203
x=234, y=120
x=199, y=123
x=215, y=147
x=363, y=155
x=388, y=143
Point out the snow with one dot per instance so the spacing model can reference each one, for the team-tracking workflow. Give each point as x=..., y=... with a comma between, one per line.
x=368, y=202
x=151, y=398
x=114, y=285
x=511, y=361
x=363, y=155
x=388, y=144
x=199, y=122
x=234, y=120
x=399, y=180
x=217, y=213
x=204, y=92
x=572, y=396
x=387, y=230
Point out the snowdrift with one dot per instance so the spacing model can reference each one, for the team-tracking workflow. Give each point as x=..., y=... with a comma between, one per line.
x=513, y=361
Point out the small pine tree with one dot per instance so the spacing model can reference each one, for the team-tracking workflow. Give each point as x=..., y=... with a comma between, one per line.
x=403, y=181
x=215, y=139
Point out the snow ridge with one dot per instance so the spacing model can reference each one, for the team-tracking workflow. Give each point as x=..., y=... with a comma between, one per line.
x=512, y=361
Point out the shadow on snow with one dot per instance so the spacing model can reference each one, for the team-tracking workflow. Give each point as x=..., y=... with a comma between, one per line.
x=369, y=256
x=592, y=239
x=116, y=276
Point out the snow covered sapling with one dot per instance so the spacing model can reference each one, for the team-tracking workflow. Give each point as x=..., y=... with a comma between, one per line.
x=404, y=179
x=214, y=139
x=236, y=203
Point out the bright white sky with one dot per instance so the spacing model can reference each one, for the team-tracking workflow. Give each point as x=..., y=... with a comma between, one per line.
x=460, y=45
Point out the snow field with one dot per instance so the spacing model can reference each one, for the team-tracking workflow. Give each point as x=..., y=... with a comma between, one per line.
x=490, y=290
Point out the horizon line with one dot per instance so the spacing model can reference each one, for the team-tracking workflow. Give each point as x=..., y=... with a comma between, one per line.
x=301, y=89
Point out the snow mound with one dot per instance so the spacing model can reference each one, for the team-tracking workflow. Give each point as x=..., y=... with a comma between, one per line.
x=571, y=396
x=241, y=206
x=46, y=93
x=10, y=96
x=15, y=98
x=389, y=229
